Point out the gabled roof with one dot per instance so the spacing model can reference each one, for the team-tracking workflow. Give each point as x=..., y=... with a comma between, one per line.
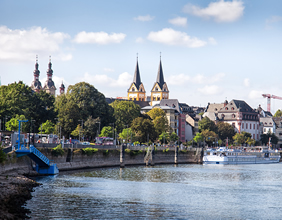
x=173, y=103
x=237, y=105
x=214, y=107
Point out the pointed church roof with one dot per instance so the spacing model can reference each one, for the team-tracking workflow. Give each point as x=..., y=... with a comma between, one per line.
x=49, y=70
x=137, y=78
x=160, y=77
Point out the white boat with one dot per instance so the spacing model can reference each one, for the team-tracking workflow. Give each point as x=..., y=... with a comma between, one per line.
x=246, y=155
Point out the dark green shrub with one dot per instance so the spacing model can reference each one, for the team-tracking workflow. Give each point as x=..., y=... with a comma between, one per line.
x=105, y=152
x=3, y=156
x=133, y=152
x=57, y=151
x=165, y=150
x=89, y=151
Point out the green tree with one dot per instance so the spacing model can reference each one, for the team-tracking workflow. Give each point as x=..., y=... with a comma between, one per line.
x=225, y=131
x=126, y=135
x=239, y=139
x=13, y=124
x=81, y=101
x=48, y=127
x=164, y=137
x=250, y=141
x=173, y=137
x=156, y=112
x=209, y=136
x=264, y=138
x=278, y=113
x=107, y=131
x=91, y=127
x=77, y=131
x=143, y=129
x=246, y=134
x=19, y=99
x=125, y=112
x=198, y=138
x=207, y=124
x=159, y=120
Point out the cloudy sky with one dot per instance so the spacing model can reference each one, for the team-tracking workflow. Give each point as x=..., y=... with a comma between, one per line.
x=210, y=50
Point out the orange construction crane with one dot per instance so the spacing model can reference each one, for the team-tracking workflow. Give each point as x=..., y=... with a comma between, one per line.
x=268, y=96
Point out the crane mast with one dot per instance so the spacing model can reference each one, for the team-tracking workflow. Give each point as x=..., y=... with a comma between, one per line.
x=269, y=96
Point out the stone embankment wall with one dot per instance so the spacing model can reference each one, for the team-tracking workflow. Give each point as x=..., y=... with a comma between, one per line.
x=76, y=159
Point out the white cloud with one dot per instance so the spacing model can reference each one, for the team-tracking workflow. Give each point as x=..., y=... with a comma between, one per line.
x=212, y=41
x=210, y=90
x=144, y=18
x=197, y=79
x=22, y=45
x=247, y=82
x=169, y=36
x=124, y=80
x=179, y=21
x=220, y=11
x=254, y=94
x=98, y=38
x=139, y=40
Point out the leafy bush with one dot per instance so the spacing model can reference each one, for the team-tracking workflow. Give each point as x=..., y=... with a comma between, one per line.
x=165, y=150
x=3, y=156
x=89, y=151
x=133, y=152
x=58, y=151
x=105, y=152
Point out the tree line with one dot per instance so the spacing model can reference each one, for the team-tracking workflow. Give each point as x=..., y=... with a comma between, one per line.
x=84, y=112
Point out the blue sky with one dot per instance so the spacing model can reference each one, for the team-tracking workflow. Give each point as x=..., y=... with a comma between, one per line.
x=210, y=50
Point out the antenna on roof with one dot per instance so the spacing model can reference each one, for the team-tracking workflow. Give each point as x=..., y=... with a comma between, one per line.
x=137, y=56
x=160, y=55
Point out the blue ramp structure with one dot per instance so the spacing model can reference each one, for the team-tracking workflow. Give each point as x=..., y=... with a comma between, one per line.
x=43, y=164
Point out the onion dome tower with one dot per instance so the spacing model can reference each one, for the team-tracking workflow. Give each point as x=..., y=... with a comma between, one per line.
x=49, y=85
x=36, y=84
x=62, y=88
x=136, y=90
x=160, y=90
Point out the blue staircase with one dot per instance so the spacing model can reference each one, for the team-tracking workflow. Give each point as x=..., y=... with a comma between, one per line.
x=43, y=164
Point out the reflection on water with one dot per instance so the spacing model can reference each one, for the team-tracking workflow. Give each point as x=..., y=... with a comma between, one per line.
x=180, y=192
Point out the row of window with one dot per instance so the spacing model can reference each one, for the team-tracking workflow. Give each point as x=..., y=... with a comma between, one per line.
x=254, y=126
x=244, y=116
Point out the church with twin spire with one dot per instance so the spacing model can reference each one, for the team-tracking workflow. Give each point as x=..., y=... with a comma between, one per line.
x=49, y=85
x=137, y=91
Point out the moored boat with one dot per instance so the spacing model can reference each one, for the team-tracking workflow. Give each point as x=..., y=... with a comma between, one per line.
x=246, y=155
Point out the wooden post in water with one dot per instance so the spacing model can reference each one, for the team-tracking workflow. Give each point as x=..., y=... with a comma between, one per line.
x=176, y=155
x=122, y=149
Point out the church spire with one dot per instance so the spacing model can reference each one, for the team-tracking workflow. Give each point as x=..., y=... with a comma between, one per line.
x=136, y=90
x=36, y=71
x=137, y=78
x=160, y=76
x=36, y=84
x=49, y=71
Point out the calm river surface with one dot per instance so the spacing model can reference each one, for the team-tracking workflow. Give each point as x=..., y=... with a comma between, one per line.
x=191, y=191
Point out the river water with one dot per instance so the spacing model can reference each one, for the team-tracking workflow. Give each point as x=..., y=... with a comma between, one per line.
x=191, y=191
